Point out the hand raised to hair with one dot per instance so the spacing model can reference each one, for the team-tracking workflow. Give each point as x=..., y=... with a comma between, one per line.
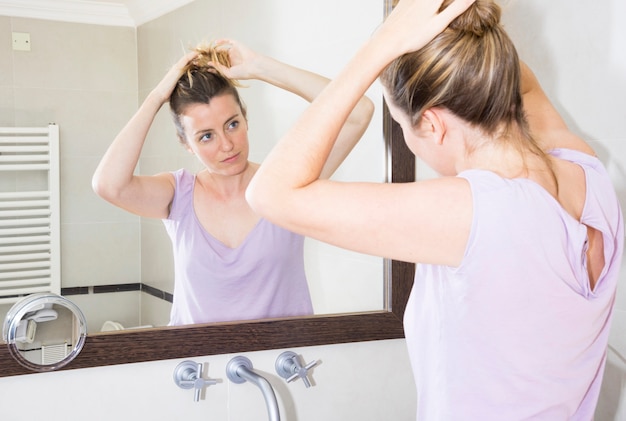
x=166, y=86
x=414, y=23
x=243, y=60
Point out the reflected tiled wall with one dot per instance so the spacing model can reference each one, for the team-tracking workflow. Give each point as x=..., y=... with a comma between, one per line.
x=84, y=79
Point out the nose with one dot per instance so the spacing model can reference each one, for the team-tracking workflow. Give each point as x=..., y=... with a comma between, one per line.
x=226, y=143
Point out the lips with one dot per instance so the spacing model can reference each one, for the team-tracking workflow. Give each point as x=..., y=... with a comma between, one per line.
x=230, y=159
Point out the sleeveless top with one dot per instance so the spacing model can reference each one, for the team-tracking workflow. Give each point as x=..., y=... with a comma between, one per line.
x=515, y=332
x=262, y=278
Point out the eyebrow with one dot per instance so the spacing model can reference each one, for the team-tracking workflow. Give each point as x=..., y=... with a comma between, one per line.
x=228, y=120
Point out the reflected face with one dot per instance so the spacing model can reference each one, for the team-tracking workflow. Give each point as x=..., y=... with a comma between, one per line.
x=217, y=133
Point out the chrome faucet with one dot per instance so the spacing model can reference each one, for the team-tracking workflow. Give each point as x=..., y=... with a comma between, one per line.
x=188, y=375
x=239, y=370
x=289, y=367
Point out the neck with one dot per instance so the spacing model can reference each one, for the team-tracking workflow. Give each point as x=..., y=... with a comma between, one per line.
x=227, y=185
x=510, y=156
x=506, y=161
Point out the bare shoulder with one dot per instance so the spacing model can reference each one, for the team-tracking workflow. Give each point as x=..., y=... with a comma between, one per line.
x=445, y=189
x=422, y=222
x=166, y=177
x=165, y=182
x=442, y=212
x=546, y=124
x=151, y=195
x=563, y=138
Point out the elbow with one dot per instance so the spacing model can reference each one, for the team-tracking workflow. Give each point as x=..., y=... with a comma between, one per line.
x=257, y=200
x=363, y=113
x=263, y=199
x=369, y=105
x=97, y=185
x=103, y=188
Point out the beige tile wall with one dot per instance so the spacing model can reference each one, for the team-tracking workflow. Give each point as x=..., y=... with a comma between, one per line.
x=83, y=78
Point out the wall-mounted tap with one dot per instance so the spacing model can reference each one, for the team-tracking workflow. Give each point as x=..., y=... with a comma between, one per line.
x=188, y=375
x=239, y=370
x=289, y=367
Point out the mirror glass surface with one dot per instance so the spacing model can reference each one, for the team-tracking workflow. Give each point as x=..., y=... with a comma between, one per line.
x=104, y=97
x=44, y=331
x=118, y=267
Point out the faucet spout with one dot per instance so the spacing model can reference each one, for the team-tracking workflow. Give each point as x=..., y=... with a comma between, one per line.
x=239, y=370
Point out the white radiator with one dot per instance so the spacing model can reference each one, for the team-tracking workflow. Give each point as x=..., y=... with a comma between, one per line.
x=52, y=354
x=30, y=245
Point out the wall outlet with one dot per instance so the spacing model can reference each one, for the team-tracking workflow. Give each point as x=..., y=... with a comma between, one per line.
x=21, y=41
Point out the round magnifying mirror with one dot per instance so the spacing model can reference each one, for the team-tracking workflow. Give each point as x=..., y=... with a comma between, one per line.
x=44, y=331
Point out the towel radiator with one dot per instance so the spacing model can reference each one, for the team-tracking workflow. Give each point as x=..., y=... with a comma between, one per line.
x=30, y=246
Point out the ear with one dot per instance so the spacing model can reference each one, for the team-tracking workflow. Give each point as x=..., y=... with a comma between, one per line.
x=432, y=125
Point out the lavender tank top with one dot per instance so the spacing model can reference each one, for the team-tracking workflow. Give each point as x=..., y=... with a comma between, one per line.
x=262, y=278
x=515, y=332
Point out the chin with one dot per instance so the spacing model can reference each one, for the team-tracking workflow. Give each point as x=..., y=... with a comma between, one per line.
x=236, y=169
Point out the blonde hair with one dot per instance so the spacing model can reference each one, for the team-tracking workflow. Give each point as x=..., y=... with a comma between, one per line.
x=208, y=53
x=473, y=70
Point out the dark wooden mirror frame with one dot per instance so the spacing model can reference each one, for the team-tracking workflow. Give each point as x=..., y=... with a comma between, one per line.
x=224, y=338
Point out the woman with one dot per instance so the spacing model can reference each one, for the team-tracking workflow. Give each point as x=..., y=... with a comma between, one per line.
x=230, y=264
x=518, y=244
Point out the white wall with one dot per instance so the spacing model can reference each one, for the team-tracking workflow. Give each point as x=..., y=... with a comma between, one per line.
x=579, y=54
x=365, y=382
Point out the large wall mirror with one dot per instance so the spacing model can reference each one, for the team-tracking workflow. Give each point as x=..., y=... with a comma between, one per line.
x=356, y=298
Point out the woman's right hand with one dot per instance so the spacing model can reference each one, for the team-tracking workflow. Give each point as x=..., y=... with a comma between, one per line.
x=414, y=23
x=166, y=86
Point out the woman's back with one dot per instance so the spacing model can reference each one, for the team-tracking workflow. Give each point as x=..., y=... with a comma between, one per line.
x=518, y=329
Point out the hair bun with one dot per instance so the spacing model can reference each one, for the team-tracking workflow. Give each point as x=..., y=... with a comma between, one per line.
x=482, y=16
x=208, y=54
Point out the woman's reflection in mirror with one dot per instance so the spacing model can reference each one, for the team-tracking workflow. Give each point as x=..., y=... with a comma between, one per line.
x=230, y=264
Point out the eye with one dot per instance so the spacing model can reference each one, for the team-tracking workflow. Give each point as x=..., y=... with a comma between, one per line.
x=206, y=137
x=233, y=125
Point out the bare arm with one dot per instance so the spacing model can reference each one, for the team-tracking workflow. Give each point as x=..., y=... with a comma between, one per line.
x=546, y=124
x=246, y=64
x=114, y=179
x=425, y=221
